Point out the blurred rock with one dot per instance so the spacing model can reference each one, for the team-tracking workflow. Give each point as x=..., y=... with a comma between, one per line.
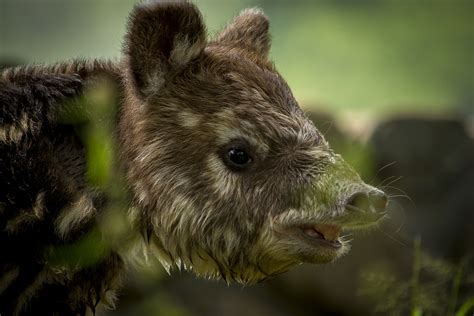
x=435, y=160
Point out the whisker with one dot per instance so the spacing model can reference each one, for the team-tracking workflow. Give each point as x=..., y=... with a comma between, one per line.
x=385, y=180
x=386, y=166
x=403, y=213
x=330, y=124
x=405, y=195
x=392, y=181
x=390, y=196
x=391, y=237
x=346, y=240
x=380, y=169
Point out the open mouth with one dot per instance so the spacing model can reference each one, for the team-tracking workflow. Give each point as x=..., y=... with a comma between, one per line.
x=322, y=235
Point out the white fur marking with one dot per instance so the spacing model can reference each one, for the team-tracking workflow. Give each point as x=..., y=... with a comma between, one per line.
x=14, y=132
x=223, y=181
x=38, y=207
x=183, y=51
x=77, y=213
x=188, y=119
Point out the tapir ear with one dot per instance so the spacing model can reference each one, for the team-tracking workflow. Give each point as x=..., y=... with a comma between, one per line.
x=162, y=37
x=248, y=31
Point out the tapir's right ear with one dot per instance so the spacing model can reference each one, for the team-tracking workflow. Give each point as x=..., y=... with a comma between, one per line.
x=162, y=37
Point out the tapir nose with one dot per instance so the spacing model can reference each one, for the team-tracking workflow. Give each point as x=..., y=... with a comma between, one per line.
x=374, y=201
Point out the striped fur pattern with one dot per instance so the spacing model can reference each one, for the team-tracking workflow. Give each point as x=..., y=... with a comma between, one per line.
x=42, y=172
x=184, y=102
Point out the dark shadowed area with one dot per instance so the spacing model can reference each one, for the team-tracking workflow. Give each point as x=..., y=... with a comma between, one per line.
x=390, y=84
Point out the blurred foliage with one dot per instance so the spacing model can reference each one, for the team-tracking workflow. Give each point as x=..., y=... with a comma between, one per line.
x=100, y=100
x=432, y=289
x=158, y=304
x=86, y=252
x=94, y=118
x=150, y=299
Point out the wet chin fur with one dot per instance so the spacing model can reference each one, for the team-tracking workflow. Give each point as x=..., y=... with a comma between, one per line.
x=262, y=263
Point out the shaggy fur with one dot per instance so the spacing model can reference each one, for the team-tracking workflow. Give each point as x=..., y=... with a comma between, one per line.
x=184, y=103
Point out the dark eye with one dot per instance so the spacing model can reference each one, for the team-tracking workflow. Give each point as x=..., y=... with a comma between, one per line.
x=238, y=156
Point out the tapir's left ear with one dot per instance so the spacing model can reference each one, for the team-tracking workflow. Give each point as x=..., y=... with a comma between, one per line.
x=162, y=37
x=248, y=31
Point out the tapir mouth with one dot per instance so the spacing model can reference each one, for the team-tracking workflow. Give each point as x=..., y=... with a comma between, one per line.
x=323, y=235
x=327, y=235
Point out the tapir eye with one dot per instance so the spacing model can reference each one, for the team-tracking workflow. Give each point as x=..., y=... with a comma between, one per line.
x=236, y=156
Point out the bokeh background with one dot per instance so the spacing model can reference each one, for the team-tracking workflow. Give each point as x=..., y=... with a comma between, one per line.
x=390, y=83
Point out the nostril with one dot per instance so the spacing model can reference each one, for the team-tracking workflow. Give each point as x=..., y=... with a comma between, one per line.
x=359, y=201
x=378, y=200
x=373, y=201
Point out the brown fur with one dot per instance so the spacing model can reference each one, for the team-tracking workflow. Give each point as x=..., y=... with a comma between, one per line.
x=191, y=100
x=186, y=101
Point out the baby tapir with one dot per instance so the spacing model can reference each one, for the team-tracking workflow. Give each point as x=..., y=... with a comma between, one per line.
x=225, y=174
